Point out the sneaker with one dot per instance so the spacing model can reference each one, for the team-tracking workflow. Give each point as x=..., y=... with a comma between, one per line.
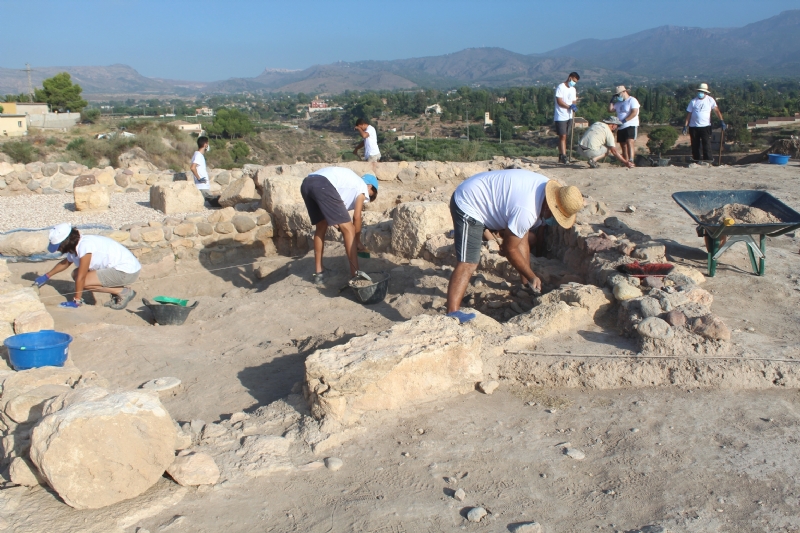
x=562, y=158
x=318, y=278
x=113, y=301
x=593, y=163
x=462, y=317
x=125, y=297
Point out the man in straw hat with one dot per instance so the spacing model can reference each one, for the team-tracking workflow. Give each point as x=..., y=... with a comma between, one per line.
x=598, y=141
x=626, y=107
x=698, y=120
x=512, y=202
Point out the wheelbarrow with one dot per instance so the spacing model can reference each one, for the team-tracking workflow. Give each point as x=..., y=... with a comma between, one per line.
x=698, y=203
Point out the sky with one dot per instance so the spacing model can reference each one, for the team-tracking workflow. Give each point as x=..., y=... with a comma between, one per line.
x=206, y=40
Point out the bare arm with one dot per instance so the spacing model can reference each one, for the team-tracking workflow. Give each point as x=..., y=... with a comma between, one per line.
x=359, y=207
x=80, y=278
x=194, y=171
x=562, y=103
x=633, y=114
x=364, y=134
x=61, y=266
x=611, y=108
x=615, y=153
x=719, y=113
x=511, y=245
x=688, y=117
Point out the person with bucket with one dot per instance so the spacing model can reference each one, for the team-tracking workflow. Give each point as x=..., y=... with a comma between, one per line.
x=698, y=121
x=513, y=202
x=102, y=265
x=329, y=193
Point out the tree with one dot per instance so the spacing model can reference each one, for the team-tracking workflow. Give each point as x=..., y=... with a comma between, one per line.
x=662, y=139
x=239, y=151
x=230, y=123
x=90, y=115
x=61, y=94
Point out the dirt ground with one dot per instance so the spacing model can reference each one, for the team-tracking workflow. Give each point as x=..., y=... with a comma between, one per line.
x=689, y=460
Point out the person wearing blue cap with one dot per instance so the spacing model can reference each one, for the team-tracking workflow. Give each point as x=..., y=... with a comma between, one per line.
x=102, y=265
x=329, y=193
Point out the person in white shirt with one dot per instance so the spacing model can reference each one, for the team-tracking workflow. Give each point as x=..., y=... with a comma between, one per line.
x=698, y=120
x=598, y=141
x=626, y=108
x=565, y=108
x=369, y=142
x=511, y=202
x=103, y=265
x=329, y=193
x=200, y=171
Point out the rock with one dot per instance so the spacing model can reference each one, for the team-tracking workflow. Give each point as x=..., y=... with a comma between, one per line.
x=676, y=319
x=653, y=252
x=476, y=514
x=574, y=453
x=278, y=189
x=19, y=383
x=654, y=328
x=224, y=228
x=551, y=319
x=333, y=463
x=649, y=306
x=291, y=219
x=440, y=246
x=243, y=223
x=22, y=472
x=194, y=468
x=155, y=234
x=420, y=360
x=600, y=244
x=32, y=321
x=630, y=209
x=414, y=221
x=176, y=197
x=594, y=299
x=460, y=495
x=72, y=168
x=625, y=291
x=711, y=327
x=488, y=387
x=28, y=406
x=526, y=527
x=122, y=180
x=690, y=272
x=263, y=455
x=48, y=169
x=24, y=243
x=84, y=180
x=654, y=282
x=185, y=229
x=97, y=453
x=161, y=384
x=240, y=191
x=262, y=270
x=18, y=300
x=204, y=229
x=700, y=296
x=212, y=431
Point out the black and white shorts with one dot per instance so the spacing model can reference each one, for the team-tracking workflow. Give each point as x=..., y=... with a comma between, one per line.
x=626, y=134
x=323, y=201
x=468, y=235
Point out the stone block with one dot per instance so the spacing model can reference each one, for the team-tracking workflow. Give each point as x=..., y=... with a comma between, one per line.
x=17, y=301
x=223, y=215
x=653, y=252
x=176, y=197
x=185, y=229
x=421, y=360
x=92, y=198
x=194, y=468
x=152, y=234
x=27, y=407
x=414, y=222
x=551, y=319
x=6, y=168
x=711, y=327
x=243, y=223
x=97, y=453
x=279, y=189
x=241, y=191
x=84, y=180
x=440, y=246
x=24, y=243
x=291, y=218
x=32, y=321
x=72, y=168
x=23, y=472
x=224, y=228
x=19, y=383
x=594, y=299
x=377, y=237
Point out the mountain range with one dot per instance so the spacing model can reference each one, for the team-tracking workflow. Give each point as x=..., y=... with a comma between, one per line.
x=770, y=47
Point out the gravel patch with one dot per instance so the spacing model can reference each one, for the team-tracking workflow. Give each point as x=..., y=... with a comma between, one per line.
x=47, y=210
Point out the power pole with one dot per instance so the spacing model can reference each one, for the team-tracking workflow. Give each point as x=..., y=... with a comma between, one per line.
x=30, y=84
x=466, y=116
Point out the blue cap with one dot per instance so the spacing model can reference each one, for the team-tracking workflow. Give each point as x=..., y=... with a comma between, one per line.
x=369, y=179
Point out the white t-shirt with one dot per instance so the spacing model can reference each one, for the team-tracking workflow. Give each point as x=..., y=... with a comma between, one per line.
x=503, y=199
x=371, y=143
x=624, y=108
x=700, y=108
x=200, y=160
x=106, y=253
x=347, y=184
x=569, y=95
x=598, y=135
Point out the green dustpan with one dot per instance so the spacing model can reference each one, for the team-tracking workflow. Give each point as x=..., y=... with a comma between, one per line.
x=169, y=300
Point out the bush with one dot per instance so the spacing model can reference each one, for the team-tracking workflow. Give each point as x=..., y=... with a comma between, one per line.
x=90, y=115
x=21, y=151
x=662, y=139
x=239, y=151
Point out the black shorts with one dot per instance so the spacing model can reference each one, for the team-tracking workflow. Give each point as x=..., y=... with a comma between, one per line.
x=468, y=235
x=323, y=201
x=561, y=126
x=626, y=134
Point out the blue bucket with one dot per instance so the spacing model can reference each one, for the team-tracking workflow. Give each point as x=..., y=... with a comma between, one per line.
x=40, y=348
x=778, y=159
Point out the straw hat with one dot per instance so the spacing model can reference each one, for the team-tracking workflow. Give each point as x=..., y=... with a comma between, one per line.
x=564, y=202
x=704, y=88
x=620, y=89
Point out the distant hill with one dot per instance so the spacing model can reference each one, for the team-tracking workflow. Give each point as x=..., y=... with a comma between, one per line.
x=769, y=47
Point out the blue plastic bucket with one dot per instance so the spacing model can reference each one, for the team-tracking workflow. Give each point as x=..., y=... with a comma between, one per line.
x=778, y=159
x=40, y=348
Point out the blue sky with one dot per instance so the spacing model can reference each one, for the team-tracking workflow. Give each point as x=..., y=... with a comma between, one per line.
x=207, y=40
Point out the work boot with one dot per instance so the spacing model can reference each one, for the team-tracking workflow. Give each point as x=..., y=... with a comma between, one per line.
x=318, y=278
x=125, y=297
x=593, y=163
x=562, y=159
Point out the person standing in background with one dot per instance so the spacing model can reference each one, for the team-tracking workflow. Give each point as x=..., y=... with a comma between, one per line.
x=566, y=96
x=698, y=121
x=369, y=142
x=200, y=171
x=627, y=109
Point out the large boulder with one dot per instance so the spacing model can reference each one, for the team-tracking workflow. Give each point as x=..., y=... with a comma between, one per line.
x=279, y=189
x=291, y=219
x=97, y=453
x=421, y=360
x=414, y=222
x=240, y=191
x=176, y=197
x=92, y=198
x=18, y=300
x=594, y=299
x=32, y=321
x=23, y=243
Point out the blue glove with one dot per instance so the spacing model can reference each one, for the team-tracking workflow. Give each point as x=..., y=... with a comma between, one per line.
x=41, y=280
x=684, y=130
x=72, y=304
x=573, y=108
x=724, y=126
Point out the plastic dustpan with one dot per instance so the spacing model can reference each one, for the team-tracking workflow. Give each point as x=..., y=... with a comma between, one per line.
x=170, y=300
